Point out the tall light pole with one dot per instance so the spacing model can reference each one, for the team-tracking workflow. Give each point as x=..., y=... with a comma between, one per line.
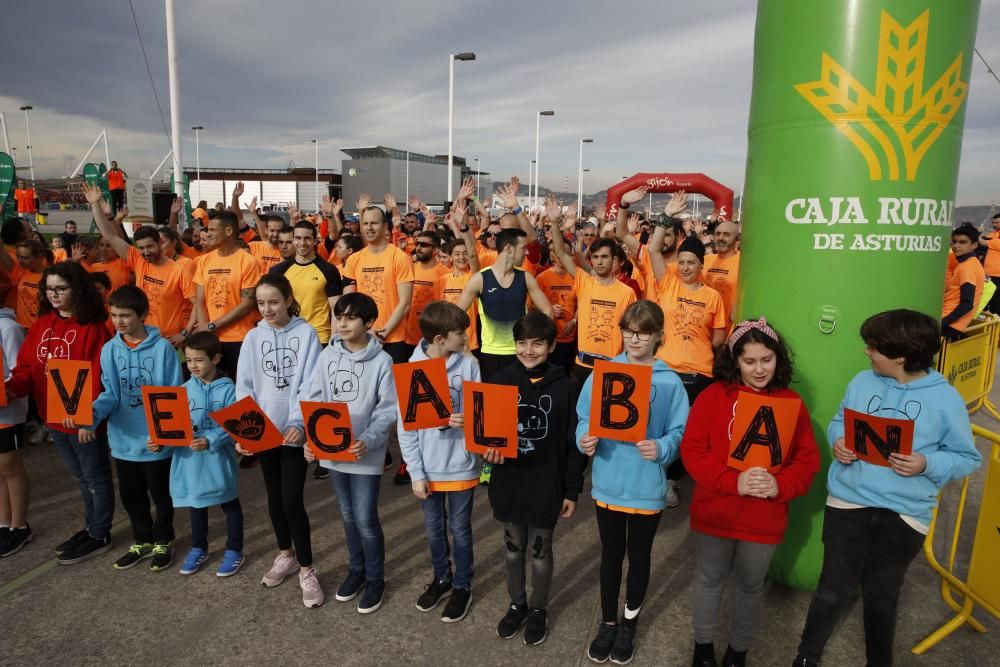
x=316, y=163
x=451, y=110
x=175, y=110
x=531, y=171
x=197, y=156
x=538, y=131
x=407, y=181
x=27, y=125
x=477, y=179
x=579, y=179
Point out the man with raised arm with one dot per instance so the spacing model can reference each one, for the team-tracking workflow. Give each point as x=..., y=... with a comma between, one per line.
x=267, y=252
x=600, y=297
x=168, y=284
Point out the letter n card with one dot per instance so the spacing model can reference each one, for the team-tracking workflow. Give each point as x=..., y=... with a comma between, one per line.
x=763, y=428
x=168, y=416
x=70, y=392
x=423, y=394
x=619, y=400
x=491, y=423
x=873, y=438
x=246, y=422
x=328, y=430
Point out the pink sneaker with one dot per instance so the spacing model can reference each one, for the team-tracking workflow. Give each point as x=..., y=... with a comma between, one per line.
x=280, y=569
x=312, y=594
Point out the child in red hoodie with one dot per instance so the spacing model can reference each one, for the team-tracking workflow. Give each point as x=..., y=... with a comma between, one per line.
x=739, y=518
x=71, y=325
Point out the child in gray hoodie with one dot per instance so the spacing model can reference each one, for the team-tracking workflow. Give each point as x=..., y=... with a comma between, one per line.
x=355, y=370
x=443, y=473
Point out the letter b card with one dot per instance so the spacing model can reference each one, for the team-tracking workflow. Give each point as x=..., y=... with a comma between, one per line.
x=619, y=401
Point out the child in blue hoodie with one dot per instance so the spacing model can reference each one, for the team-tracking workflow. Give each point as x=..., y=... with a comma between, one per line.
x=205, y=473
x=629, y=482
x=137, y=356
x=877, y=517
x=354, y=369
x=443, y=473
x=275, y=364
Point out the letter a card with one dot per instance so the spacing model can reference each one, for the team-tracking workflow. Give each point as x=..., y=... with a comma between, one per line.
x=328, y=430
x=246, y=422
x=619, y=401
x=70, y=392
x=490, y=418
x=168, y=416
x=423, y=394
x=873, y=438
x=762, y=431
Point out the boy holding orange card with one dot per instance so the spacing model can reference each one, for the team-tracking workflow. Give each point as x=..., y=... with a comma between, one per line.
x=205, y=473
x=136, y=357
x=443, y=473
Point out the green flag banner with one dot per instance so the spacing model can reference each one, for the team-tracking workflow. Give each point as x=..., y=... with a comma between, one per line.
x=855, y=132
x=7, y=179
x=94, y=174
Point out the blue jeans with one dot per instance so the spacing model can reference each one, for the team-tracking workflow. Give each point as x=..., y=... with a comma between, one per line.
x=450, y=509
x=357, y=496
x=90, y=465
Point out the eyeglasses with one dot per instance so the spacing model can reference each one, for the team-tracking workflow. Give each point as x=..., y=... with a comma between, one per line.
x=58, y=291
x=642, y=337
x=490, y=234
x=424, y=244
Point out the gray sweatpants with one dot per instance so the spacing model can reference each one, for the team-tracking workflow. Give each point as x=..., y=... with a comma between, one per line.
x=519, y=541
x=716, y=557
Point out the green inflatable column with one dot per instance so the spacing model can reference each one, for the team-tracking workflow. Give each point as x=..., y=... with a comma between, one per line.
x=854, y=140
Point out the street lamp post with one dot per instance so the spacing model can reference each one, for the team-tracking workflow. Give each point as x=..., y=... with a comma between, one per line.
x=407, y=181
x=451, y=110
x=531, y=171
x=477, y=178
x=538, y=131
x=579, y=180
x=197, y=156
x=27, y=125
x=316, y=171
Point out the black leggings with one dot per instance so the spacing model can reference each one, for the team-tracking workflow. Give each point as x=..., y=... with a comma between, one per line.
x=621, y=532
x=284, y=471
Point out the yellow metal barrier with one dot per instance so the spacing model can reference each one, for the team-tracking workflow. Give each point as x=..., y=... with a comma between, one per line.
x=970, y=363
x=982, y=585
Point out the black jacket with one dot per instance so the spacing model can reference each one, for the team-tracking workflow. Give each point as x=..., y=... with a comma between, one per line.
x=549, y=468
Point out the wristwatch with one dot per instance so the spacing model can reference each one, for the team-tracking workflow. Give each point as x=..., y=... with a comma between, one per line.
x=624, y=205
x=184, y=332
x=211, y=326
x=517, y=210
x=464, y=229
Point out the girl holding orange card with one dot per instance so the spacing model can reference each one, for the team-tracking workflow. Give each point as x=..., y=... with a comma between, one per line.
x=629, y=482
x=739, y=512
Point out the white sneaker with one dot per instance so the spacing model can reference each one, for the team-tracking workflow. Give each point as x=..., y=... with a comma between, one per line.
x=312, y=594
x=673, y=499
x=280, y=569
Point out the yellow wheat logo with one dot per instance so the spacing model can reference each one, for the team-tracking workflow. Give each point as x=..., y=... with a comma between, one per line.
x=899, y=105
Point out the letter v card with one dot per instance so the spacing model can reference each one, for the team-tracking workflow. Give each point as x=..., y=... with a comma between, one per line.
x=619, y=401
x=70, y=392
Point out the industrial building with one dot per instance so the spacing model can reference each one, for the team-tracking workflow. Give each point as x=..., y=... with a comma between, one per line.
x=274, y=188
x=380, y=169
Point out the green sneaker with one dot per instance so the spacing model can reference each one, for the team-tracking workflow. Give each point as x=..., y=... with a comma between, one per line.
x=163, y=557
x=486, y=475
x=135, y=553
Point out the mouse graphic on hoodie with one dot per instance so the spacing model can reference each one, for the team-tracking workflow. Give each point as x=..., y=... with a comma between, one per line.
x=125, y=370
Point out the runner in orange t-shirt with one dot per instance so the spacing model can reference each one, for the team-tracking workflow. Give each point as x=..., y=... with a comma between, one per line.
x=560, y=289
x=111, y=264
x=965, y=287
x=26, y=198
x=31, y=263
x=266, y=252
x=723, y=268
x=672, y=234
x=426, y=272
x=116, y=187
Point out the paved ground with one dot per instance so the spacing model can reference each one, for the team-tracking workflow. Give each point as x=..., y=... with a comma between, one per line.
x=92, y=614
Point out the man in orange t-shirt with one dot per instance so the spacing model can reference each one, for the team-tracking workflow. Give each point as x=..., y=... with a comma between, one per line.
x=225, y=281
x=560, y=289
x=965, y=286
x=266, y=252
x=31, y=264
x=116, y=186
x=992, y=264
x=111, y=264
x=722, y=269
x=427, y=270
x=26, y=198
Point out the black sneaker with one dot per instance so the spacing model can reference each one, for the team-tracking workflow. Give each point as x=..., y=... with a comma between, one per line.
x=388, y=461
x=624, y=648
x=350, y=588
x=511, y=622
x=536, y=629
x=371, y=600
x=320, y=472
x=733, y=658
x=458, y=605
x=86, y=548
x=600, y=648
x=704, y=655
x=163, y=557
x=80, y=536
x=15, y=540
x=803, y=662
x=401, y=477
x=433, y=593
x=135, y=553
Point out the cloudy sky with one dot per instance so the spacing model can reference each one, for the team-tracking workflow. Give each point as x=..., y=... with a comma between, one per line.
x=659, y=87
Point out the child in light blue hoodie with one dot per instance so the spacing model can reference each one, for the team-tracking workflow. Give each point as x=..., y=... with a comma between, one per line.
x=630, y=484
x=877, y=517
x=443, y=473
x=205, y=473
x=275, y=365
x=137, y=356
x=354, y=369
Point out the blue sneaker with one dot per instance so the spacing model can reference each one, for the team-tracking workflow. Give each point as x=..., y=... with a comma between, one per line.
x=231, y=563
x=193, y=561
x=350, y=588
x=371, y=599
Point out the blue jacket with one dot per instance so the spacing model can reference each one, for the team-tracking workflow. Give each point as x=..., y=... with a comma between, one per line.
x=124, y=372
x=11, y=338
x=439, y=454
x=620, y=475
x=941, y=432
x=210, y=477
